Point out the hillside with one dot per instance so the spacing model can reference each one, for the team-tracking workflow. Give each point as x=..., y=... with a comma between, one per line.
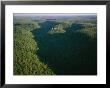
x=26, y=62
x=55, y=45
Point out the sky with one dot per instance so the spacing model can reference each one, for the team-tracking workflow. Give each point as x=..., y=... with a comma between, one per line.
x=53, y=14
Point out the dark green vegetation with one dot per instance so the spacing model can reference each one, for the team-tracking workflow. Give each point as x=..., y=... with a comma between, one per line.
x=59, y=46
x=26, y=62
x=57, y=29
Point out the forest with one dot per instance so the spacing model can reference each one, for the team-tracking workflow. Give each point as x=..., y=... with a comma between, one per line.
x=55, y=45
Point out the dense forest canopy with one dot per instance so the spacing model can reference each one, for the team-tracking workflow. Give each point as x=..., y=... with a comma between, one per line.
x=26, y=62
x=64, y=45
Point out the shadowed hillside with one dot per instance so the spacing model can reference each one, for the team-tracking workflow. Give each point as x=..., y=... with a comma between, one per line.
x=68, y=53
x=55, y=45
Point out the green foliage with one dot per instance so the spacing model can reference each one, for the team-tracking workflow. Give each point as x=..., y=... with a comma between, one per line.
x=26, y=62
x=57, y=29
x=89, y=30
x=71, y=53
x=26, y=24
x=70, y=50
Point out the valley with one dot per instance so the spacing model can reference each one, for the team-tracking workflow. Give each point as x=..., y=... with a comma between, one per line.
x=55, y=45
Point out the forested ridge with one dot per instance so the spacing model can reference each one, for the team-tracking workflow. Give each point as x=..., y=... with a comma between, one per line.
x=26, y=62
x=55, y=47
